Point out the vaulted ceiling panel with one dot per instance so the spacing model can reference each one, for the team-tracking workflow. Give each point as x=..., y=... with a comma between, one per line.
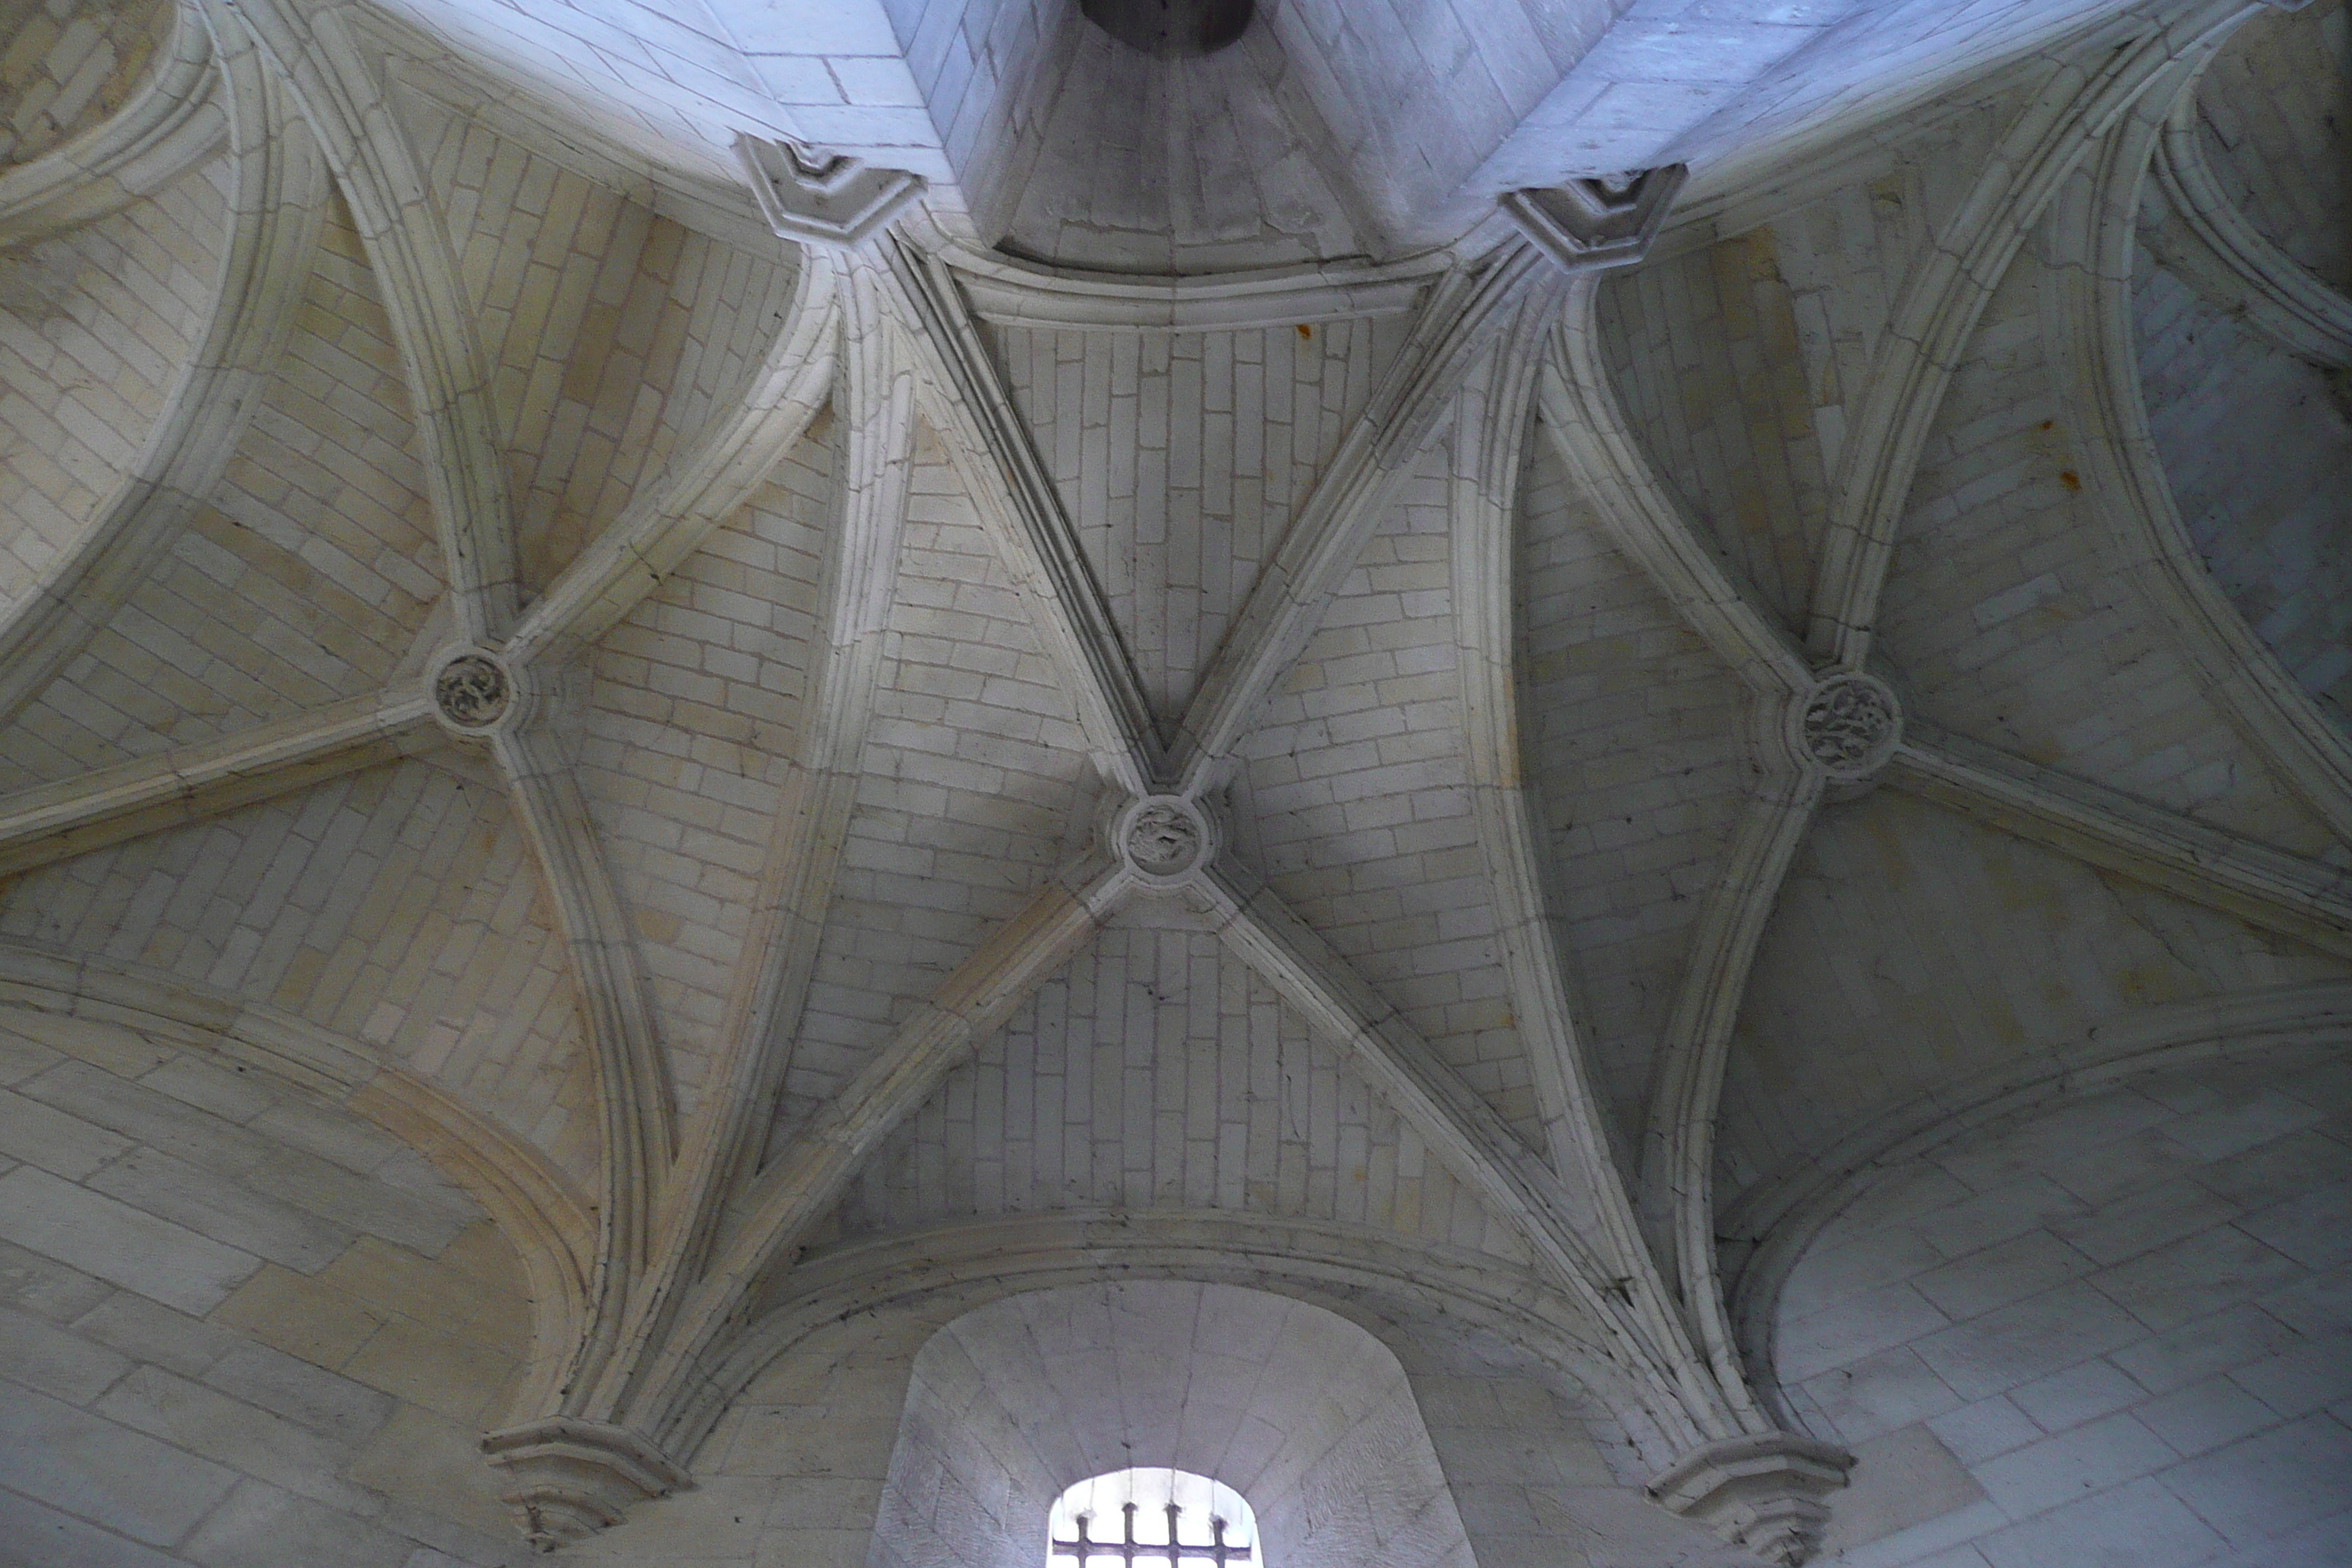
x=1634, y=737
x=2013, y=617
x=97, y=325
x=687, y=735
x=2258, y=449
x=613, y=333
x=974, y=776
x=309, y=577
x=1157, y=1071
x=1355, y=797
x=1182, y=457
x=2274, y=128
x=1911, y=946
x=399, y=907
x=1703, y=348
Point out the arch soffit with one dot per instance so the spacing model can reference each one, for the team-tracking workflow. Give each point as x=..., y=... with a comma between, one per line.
x=1391, y=1291
x=525, y=1194
x=1770, y=1228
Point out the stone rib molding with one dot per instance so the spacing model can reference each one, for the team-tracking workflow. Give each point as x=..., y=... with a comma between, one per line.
x=657, y=1391
x=663, y=527
x=2089, y=315
x=1464, y=314
x=174, y=120
x=969, y=1262
x=807, y=838
x=966, y=401
x=633, y=1090
x=1020, y=294
x=1679, y=1150
x=2306, y=900
x=1766, y=1230
x=278, y=207
x=1947, y=290
x=1587, y=423
x=1640, y=1331
x=196, y=784
x=314, y=53
x=1490, y=434
x=2209, y=242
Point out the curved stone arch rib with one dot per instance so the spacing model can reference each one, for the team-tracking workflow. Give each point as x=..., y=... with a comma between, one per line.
x=277, y=210
x=661, y=528
x=526, y=1194
x=1585, y=421
x=407, y=247
x=174, y=119
x=1771, y=1226
x=1563, y=1226
x=2125, y=479
x=1359, y=1273
x=993, y=453
x=2207, y=240
x=1947, y=292
x=1462, y=316
x=644, y=1391
x=808, y=834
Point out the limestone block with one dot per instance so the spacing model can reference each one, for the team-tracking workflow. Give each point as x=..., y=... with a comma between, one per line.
x=149, y=1490
x=114, y=1241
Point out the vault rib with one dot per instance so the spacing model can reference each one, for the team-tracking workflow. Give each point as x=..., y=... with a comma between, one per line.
x=278, y=208
x=1587, y=425
x=1464, y=315
x=810, y=832
x=174, y=120
x=1947, y=292
x=651, y=1393
x=1641, y=1329
x=408, y=252
x=965, y=399
x=2209, y=242
x=197, y=783
x=663, y=527
x=2096, y=229
x=2307, y=899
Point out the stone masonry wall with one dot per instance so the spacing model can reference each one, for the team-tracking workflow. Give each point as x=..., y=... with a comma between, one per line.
x=239, y=1327
x=2114, y=1329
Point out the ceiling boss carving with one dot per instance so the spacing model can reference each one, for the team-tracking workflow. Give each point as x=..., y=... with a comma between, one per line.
x=1848, y=726
x=473, y=692
x=1164, y=839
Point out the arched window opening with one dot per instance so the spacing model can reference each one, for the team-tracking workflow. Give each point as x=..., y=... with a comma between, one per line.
x=1157, y=1517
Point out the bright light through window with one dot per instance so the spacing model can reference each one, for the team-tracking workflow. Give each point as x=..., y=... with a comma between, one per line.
x=1131, y=1517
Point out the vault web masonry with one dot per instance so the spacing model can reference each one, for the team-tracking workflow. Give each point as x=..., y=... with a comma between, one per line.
x=800, y=781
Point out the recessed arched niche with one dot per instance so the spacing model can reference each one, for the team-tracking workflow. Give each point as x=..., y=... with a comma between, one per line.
x=1292, y=1410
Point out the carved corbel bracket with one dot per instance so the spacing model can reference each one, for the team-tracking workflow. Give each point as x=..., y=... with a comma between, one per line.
x=1592, y=225
x=1762, y=1493
x=820, y=197
x=568, y=1479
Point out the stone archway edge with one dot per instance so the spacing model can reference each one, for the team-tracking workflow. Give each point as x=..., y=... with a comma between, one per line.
x=1766, y=1231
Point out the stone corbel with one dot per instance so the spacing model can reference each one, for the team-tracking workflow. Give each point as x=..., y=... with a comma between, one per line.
x=815, y=196
x=1592, y=225
x=1762, y=1493
x=568, y=1479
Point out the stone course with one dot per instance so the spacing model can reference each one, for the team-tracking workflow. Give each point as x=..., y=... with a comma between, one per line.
x=96, y=325
x=67, y=64
x=239, y=1327
x=2115, y=1325
x=1158, y=1072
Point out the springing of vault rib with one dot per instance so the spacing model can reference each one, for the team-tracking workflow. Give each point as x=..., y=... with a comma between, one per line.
x=876, y=562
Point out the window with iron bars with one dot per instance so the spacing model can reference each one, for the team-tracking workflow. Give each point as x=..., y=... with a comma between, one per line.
x=1155, y=1517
